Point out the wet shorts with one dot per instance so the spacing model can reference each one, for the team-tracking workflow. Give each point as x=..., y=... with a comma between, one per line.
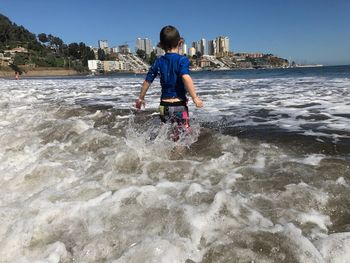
x=176, y=114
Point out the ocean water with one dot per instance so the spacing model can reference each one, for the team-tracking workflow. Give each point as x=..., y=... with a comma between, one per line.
x=263, y=177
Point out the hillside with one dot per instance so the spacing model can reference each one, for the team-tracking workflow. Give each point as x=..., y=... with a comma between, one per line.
x=12, y=35
x=43, y=50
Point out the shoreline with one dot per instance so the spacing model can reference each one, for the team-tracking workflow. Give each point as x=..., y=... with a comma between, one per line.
x=42, y=73
x=60, y=72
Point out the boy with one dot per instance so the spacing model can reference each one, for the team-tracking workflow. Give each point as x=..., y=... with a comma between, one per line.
x=173, y=70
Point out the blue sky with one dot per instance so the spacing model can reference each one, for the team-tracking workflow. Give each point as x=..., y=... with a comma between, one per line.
x=308, y=31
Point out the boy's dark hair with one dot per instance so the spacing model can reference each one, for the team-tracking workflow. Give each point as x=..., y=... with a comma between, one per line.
x=169, y=38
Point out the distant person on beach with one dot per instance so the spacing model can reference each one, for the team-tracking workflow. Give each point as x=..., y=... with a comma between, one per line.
x=173, y=70
x=16, y=75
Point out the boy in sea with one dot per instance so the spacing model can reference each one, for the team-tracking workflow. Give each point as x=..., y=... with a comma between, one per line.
x=173, y=70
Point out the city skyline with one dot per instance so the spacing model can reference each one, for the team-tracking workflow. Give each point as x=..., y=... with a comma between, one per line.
x=218, y=46
x=304, y=31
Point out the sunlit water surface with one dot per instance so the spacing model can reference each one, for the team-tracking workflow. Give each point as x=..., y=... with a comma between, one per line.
x=264, y=176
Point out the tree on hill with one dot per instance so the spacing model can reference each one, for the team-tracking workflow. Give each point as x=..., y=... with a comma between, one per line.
x=101, y=55
x=152, y=58
x=43, y=38
x=141, y=54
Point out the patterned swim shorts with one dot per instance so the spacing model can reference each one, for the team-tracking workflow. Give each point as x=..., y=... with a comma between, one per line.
x=176, y=114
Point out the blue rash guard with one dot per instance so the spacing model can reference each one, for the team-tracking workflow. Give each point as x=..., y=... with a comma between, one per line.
x=170, y=68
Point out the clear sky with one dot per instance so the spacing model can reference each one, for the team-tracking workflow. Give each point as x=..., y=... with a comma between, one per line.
x=307, y=31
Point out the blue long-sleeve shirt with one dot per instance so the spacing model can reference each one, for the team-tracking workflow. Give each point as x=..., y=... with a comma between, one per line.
x=170, y=67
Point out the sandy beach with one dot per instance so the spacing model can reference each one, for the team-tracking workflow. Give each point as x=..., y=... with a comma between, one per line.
x=40, y=72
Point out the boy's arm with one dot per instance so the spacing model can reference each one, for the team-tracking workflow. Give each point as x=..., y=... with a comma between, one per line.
x=188, y=82
x=141, y=100
x=144, y=89
x=151, y=75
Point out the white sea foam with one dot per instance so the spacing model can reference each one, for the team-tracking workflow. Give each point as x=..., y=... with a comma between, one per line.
x=84, y=178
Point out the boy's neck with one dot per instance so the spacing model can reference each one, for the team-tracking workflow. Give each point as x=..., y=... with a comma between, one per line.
x=174, y=50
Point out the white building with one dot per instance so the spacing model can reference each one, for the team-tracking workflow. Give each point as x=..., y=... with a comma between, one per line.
x=183, y=49
x=95, y=65
x=140, y=44
x=203, y=46
x=159, y=51
x=191, y=51
x=144, y=44
x=103, y=44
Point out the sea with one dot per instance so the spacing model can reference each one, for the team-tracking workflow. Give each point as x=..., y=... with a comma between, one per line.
x=263, y=175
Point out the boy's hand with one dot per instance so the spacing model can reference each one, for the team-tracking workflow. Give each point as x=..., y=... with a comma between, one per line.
x=198, y=102
x=139, y=103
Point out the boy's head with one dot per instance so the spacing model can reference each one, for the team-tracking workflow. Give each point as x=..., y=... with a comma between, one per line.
x=169, y=38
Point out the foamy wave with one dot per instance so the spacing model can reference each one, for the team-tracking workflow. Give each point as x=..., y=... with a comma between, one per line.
x=85, y=178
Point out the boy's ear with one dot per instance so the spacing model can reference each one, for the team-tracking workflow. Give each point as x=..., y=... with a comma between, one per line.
x=181, y=41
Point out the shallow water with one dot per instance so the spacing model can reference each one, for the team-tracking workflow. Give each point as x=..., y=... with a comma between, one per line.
x=264, y=177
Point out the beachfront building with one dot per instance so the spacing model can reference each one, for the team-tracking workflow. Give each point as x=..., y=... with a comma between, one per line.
x=112, y=65
x=95, y=65
x=204, y=62
x=222, y=46
x=144, y=44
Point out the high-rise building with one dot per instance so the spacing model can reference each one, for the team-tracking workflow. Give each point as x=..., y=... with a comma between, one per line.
x=222, y=46
x=103, y=44
x=124, y=49
x=148, y=46
x=212, y=47
x=227, y=44
x=140, y=44
x=144, y=44
x=183, y=49
x=203, y=46
x=196, y=46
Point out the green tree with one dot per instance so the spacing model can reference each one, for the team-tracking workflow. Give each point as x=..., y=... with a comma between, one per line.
x=43, y=38
x=101, y=55
x=152, y=58
x=73, y=50
x=141, y=54
x=21, y=59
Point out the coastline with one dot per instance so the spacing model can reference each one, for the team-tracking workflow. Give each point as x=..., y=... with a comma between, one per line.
x=41, y=72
